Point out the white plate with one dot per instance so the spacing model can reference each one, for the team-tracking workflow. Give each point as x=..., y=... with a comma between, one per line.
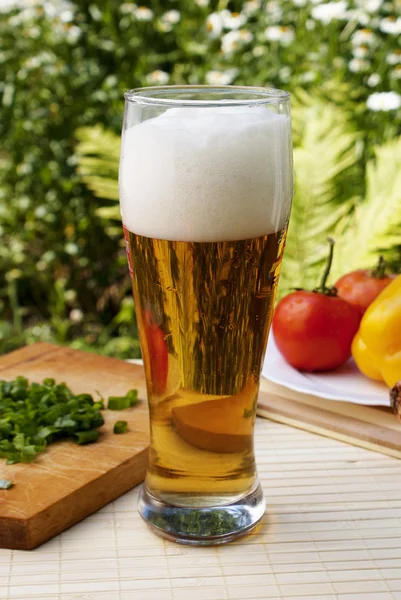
x=345, y=383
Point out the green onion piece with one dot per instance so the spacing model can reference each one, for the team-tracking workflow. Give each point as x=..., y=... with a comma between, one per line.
x=118, y=403
x=6, y=484
x=120, y=427
x=133, y=397
x=28, y=454
x=49, y=382
x=45, y=432
x=85, y=437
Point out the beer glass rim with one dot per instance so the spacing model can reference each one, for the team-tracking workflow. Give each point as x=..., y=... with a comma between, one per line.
x=183, y=96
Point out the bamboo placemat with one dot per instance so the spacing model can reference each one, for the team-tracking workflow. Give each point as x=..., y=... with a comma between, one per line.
x=332, y=531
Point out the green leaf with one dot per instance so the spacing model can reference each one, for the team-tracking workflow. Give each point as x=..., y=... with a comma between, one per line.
x=109, y=212
x=324, y=153
x=375, y=225
x=98, y=153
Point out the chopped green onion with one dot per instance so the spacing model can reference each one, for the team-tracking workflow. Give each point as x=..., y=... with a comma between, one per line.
x=123, y=402
x=85, y=437
x=118, y=403
x=6, y=484
x=133, y=396
x=120, y=427
x=34, y=415
x=37, y=414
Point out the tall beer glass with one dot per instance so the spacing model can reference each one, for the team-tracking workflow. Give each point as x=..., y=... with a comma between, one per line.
x=205, y=191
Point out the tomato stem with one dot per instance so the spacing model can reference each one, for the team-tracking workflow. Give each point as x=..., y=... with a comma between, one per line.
x=379, y=272
x=323, y=289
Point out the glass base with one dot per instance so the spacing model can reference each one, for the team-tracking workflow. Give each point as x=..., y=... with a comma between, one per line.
x=202, y=526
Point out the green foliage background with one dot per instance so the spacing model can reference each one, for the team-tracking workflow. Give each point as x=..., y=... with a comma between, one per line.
x=64, y=67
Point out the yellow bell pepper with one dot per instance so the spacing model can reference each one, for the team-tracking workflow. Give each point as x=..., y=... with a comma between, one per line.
x=376, y=348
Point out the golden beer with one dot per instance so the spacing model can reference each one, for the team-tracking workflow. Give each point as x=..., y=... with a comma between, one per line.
x=204, y=312
x=205, y=193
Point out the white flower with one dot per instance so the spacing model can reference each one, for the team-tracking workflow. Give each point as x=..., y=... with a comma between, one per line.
x=364, y=36
x=310, y=24
x=71, y=248
x=338, y=62
x=165, y=27
x=396, y=74
x=360, y=51
x=251, y=6
x=274, y=12
x=391, y=25
x=67, y=16
x=232, y=20
x=327, y=12
x=383, y=101
x=246, y=36
x=70, y=295
x=34, y=62
x=284, y=35
x=202, y=3
x=221, y=77
x=40, y=211
x=300, y=2
x=359, y=16
x=33, y=32
x=95, y=12
x=76, y=315
x=357, y=65
x=258, y=51
x=73, y=34
x=307, y=77
x=285, y=74
x=234, y=40
x=230, y=42
x=394, y=58
x=128, y=8
x=157, y=77
x=8, y=5
x=374, y=80
x=110, y=81
x=370, y=6
x=172, y=17
x=143, y=13
x=214, y=25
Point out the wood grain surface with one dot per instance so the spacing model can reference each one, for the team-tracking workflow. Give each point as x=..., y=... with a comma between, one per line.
x=68, y=482
x=374, y=428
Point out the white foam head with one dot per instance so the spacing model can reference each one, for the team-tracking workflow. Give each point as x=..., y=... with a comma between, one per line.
x=207, y=174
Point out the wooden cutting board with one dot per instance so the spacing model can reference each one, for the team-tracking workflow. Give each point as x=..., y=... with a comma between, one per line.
x=374, y=428
x=68, y=482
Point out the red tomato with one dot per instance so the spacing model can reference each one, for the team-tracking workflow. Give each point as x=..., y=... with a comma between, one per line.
x=314, y=331
x=361, y=287
x=158, y=354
